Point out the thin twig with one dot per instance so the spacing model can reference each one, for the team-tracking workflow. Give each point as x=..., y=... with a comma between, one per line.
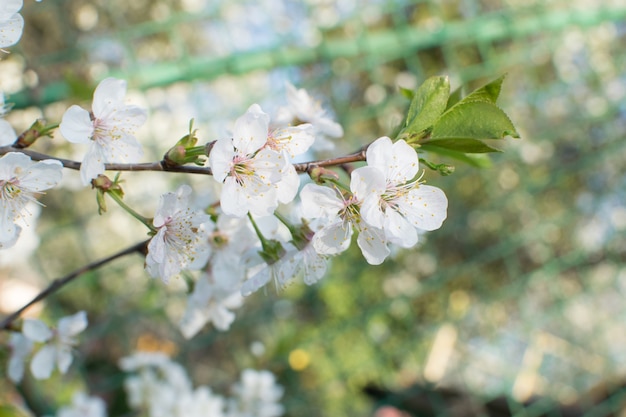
x=58, y=283
x=189, y=169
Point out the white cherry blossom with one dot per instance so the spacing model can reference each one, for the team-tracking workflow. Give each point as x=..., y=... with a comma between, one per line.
x=181, y=231
x=83, y=406
x=20, y=347
x=392, y=198
x=109, y=129
x=248, y=168
x=210, y=302
x=304, y=108
x=20, y=181
x=57, y=351
x=256, y=395
x=279, y=272
x=342, y=214
x=11, y=22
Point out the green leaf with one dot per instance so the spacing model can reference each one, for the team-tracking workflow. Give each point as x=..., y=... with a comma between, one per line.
x=428, y=103
x=488, y=93
x=455, y=97
x=407, y=93
x=465, y=145
x=480, y=160
x=476, y=120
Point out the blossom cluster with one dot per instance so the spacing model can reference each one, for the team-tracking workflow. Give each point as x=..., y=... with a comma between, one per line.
x=159, y=387
x=263, y=226
x=56, y=349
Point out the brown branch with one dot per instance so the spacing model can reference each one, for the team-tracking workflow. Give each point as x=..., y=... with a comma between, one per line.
x=58, y=283
x=164, y=166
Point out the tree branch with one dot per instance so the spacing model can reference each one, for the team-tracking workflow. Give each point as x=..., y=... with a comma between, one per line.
x=190, y=169
x=58, y=283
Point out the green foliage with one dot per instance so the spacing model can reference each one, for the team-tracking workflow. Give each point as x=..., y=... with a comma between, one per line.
x=454, y=126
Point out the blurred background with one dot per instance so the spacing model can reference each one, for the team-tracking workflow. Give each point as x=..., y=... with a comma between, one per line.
x=520, y=293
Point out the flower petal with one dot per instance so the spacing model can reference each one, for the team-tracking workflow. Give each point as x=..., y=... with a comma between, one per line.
x=373, y=245
x=36, y=330
x=426, y=207
x=7, y=133
x=319, y=201
x=333, y=238
x=251, y=130
x=76, y=125
x=43, y=362
x=42, y=175
x=72, y=325
x=108, y=97
x=367, y=181
x=93, y=164
x=11, y=30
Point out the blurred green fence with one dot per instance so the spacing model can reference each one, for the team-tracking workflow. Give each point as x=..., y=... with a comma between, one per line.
x=521, y=293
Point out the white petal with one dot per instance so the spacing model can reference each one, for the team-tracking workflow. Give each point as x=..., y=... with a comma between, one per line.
x=426, y=207
x=234, y=201
x=76, y=125
x=373, y=246
x=371, y=211
x=7, y=133
x=9, y=231
x=93, y=164
x=268, y=165
x=43, y=362
x=42, y=175
x=296, y=140
x=124, y=149
x=12, y=163
x=319, y=201
x=398, y=230
x=405, y=164
x=108, y=97
x=333, y=238
x=251, y=130
x=72, y=325
x=36, y=330
x=11, y=30
x=64, y=358
x=257, y=281
x=367, y=181
x=287, y=188
x=221, y=159
x=130, y=117
x=10, y=7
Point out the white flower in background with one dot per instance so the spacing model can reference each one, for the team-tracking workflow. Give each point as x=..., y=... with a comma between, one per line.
x=159, y=386
x=181, y=231
x=304, y=108
x=20, y=180
x=256, y=395
x=248, y=169
x=202, y=402
x=83, y=406
x=11, y=22
x=57, y=350
x=280, y=272
x=342, y=216
x=109, y=129
x=20, y=348
x=210, y=302
x=393, y=199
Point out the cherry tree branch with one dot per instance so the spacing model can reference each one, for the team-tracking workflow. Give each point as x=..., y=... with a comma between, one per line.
x=163, y=165
x=58, y=283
